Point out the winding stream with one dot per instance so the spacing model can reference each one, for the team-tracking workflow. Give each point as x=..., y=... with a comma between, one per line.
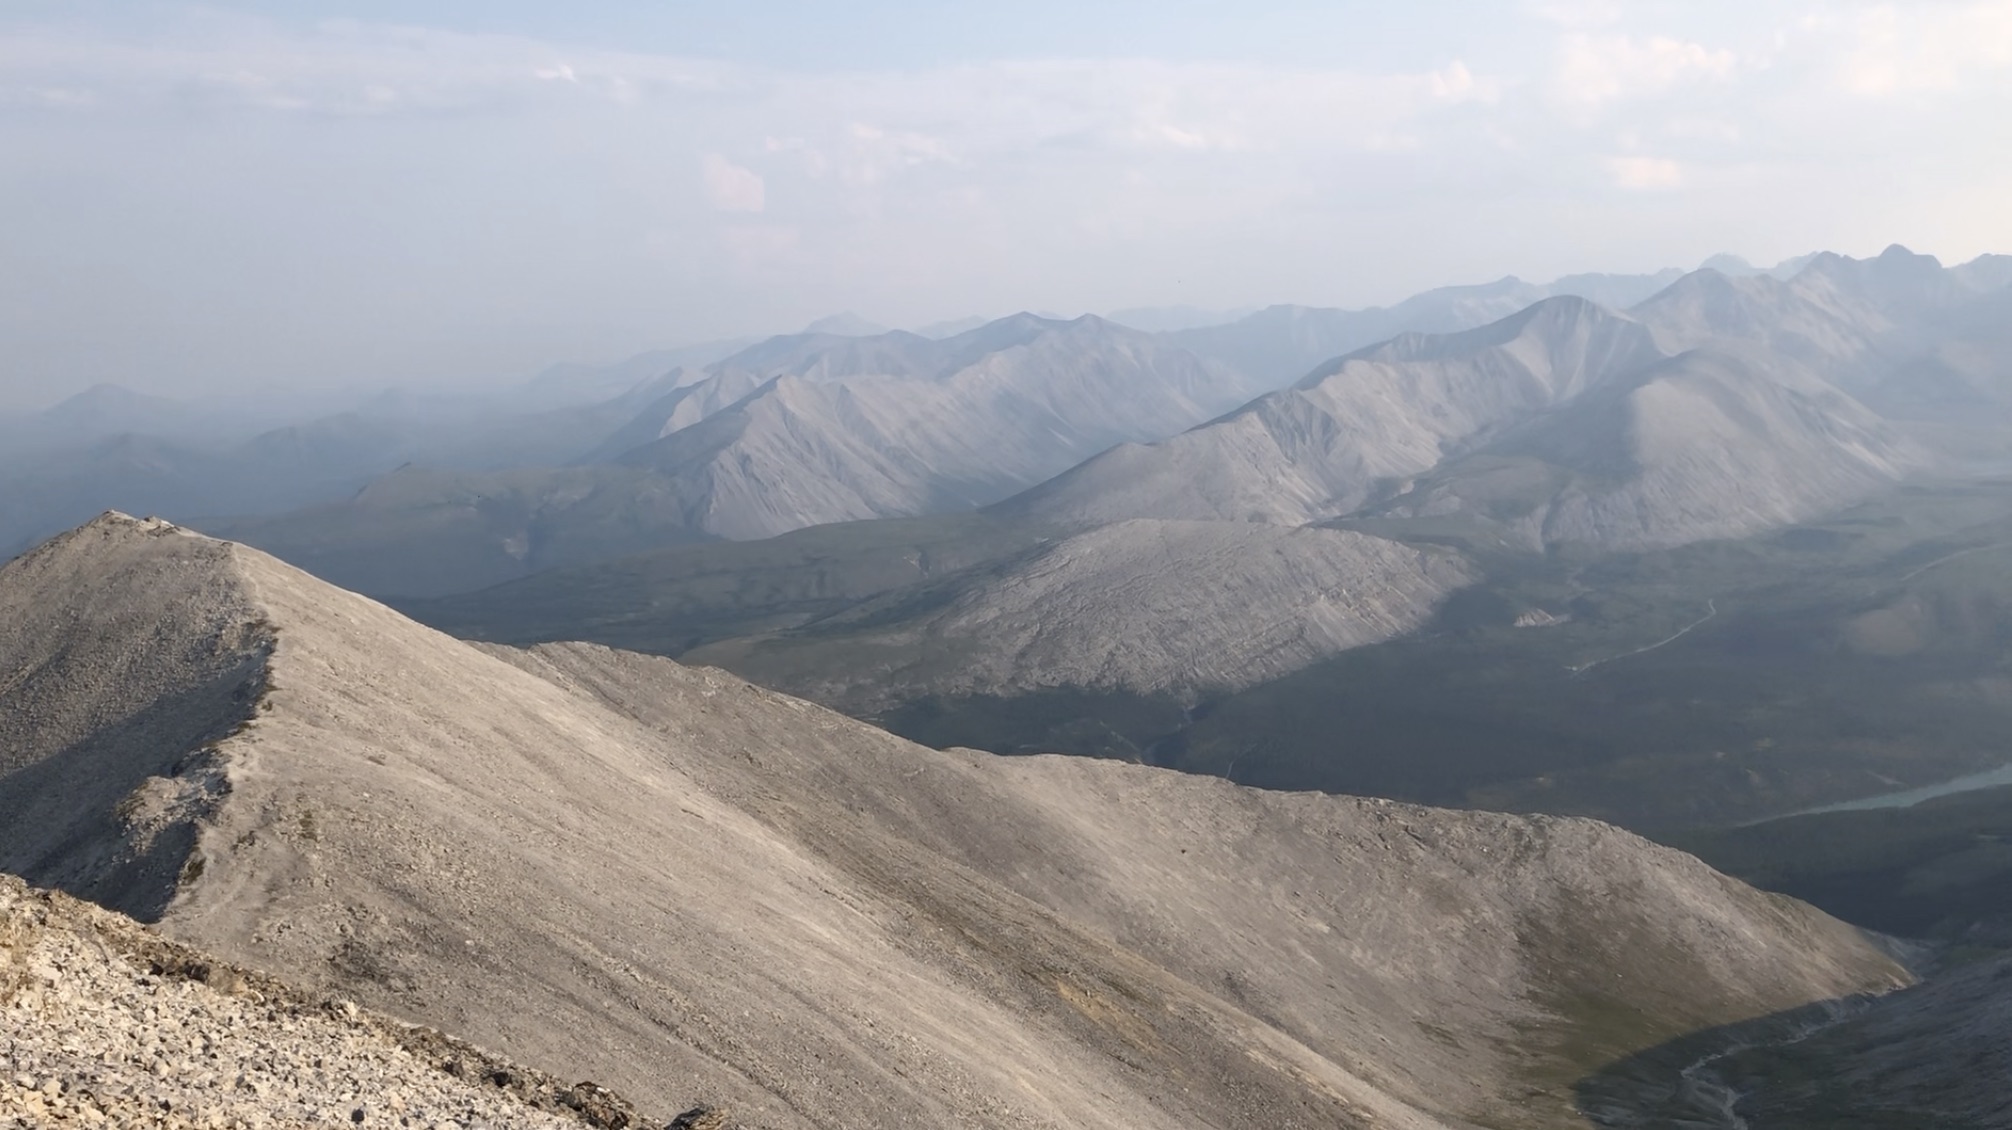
x=1703, y=1091
x=1711, y=610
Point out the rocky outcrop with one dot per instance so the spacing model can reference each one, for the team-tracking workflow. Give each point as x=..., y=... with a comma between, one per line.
x=105, y=1023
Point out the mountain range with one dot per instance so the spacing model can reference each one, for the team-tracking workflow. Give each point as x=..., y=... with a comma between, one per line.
x=1719, y=406
x=796, y=431
x=1370, y=633
x=1702, y=480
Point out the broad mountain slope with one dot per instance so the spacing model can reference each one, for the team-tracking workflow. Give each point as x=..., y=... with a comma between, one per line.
x=1909, y=338
x=1711, y=443
x=1564, y=423
x=615, y=867
x=900, y=425
x=1330, y=442
x=1144, y=606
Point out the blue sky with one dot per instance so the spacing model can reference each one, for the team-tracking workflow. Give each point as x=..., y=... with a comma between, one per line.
x=254, y=195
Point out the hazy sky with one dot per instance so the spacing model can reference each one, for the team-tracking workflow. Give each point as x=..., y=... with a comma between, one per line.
x=255, y=194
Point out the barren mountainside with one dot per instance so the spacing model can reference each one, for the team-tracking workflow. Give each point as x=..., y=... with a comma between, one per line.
x=879, y=427
x=108, y=1024
x=797, y=431
x=1145, y=606
x=1563, y=423
x=662, y=878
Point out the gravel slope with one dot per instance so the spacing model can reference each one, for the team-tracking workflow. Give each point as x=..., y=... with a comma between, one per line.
x=108, y=1024
x=663, y=878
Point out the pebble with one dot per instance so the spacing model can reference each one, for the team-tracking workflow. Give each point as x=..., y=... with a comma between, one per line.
x=88, y=1038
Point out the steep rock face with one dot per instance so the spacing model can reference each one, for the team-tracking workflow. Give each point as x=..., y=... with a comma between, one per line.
x=1323, y=447
x=615, y=867
x=1143, y=606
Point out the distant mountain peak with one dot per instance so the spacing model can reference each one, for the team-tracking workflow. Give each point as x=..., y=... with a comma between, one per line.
x=845, y=324
x=1898, y=253
x=105, y=399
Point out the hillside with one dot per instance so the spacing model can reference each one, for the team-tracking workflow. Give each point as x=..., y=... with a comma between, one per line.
x=1711, y=443
x=107, y=1023
x=610, y=866
x=1326, y=445
x=1565, y=423
x=1146, y=607
x=900, y=425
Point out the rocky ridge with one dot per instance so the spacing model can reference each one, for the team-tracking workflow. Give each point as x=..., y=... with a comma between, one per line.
x=1566, y=422
x=612, y=866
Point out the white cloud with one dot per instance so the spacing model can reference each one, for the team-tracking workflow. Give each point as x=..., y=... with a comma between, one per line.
x=1645, y=174
x=1594, y=70
x=1923, y=47
x=873, y=154
x=730, y=187
x=518, y=175
x=1455, y=83
x=1577, y=13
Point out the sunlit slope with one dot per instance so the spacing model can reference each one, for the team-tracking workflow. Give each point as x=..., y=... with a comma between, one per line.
x=1564, y=423
x=695, y=889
